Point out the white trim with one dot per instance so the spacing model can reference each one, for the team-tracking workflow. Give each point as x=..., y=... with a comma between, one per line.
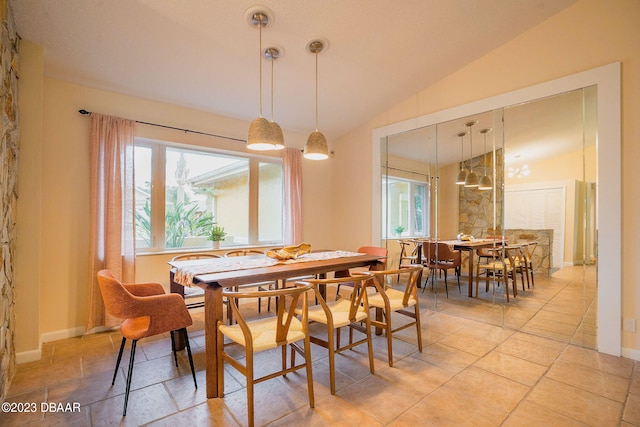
x=631, y=353
x=29, y=356
x=33, y=355
x=609, y=182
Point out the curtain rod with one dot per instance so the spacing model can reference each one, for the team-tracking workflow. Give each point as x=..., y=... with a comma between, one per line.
x=85, y=112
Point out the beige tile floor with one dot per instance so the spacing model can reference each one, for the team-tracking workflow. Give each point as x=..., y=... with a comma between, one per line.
x=537, y=370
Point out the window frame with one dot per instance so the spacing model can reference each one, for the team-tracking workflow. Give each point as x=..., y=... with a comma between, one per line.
x=388, y=233
x=158, y=192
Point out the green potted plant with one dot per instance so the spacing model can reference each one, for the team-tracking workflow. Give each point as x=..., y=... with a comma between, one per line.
x=216, y=234
x=399, y=229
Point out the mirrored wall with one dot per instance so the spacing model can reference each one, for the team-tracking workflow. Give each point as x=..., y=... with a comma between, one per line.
x=521, y=174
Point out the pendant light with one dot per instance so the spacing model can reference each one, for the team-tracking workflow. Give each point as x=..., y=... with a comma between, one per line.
x=472, y=180
x=316, y=147
x=261, y=136
x=462, y=175
x=485, y=182
x=271, y=54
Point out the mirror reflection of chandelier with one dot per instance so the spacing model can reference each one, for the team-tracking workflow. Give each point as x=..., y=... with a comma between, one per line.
x=518, y=171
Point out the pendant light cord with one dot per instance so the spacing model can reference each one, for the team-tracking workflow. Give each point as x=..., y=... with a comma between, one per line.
x=272, y=114
x=260, y=58
x=316, y=91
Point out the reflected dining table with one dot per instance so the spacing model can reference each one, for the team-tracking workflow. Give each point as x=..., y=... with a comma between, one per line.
x=469, y=246
x=207, y=275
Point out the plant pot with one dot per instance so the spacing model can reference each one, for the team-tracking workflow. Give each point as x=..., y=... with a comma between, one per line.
x=216, y=244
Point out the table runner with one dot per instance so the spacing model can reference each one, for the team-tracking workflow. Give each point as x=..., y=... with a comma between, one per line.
x=184, y=275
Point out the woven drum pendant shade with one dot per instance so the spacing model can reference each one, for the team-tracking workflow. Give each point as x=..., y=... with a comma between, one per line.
x=316, y=147
x=485, y=183
x=278, y=137
x=261, y=135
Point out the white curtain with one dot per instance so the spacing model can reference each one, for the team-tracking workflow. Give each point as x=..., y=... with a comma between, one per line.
x=112, y=233
x=292, y=170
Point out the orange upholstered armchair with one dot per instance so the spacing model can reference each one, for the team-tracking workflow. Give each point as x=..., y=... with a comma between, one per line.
x=146, y=311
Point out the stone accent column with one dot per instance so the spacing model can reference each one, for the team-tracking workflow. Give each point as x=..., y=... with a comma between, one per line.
x=8, y=191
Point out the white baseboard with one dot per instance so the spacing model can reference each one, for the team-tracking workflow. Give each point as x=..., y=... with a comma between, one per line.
x=28, y=356
x=33, y=355
x=631, y=353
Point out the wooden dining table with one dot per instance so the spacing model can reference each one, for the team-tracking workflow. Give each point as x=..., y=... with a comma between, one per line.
x=214, y=283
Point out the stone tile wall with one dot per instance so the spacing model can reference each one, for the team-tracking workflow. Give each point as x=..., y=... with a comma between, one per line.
x=8, y=191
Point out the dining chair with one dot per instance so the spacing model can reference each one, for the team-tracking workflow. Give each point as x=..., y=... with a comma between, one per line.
x=439, y=256
x=262, y=286
x=267, y=333
x=369, y=250
x=499, y=268
x=189, y=293
x=388, y=300
x=146, y=311
x=349, y=312
x=528, y=250
x=408, y=252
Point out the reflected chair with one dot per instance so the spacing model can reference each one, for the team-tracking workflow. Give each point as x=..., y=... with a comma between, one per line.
x=146, y=311
x=189, y=293
x=388, y=300
x=369, y=250
x=349, y=312
x=528, y=250
x=439, y=256
x=499, y=268
x=408, y=254
x=266, y=334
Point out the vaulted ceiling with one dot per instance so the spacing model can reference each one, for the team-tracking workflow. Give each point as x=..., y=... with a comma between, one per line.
x=203, y=54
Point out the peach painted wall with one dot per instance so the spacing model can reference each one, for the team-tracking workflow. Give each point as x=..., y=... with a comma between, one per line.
x=589, y=34
x=56, y=164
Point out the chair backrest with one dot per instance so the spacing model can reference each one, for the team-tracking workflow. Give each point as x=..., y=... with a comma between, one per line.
x=243, y=252
x=286, y=303
x=377, y=251
x=118, y=301
x=185, y=257
x=445, y=253
x=412, y=273
x=357, y=298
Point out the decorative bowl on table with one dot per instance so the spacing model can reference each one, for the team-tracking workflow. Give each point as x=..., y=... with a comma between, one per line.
x=289, y=252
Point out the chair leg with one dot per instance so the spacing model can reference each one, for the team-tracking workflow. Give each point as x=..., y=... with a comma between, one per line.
x=249, y=375
x=129, y=375
x=124, y=340
x=173, y=348
x=307, y=361
x=446, y=285
x=332, y=368
x=387, y=318
x=186, y=340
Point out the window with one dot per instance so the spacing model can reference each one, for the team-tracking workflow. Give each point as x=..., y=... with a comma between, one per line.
x=181, y=192
x=407, y=211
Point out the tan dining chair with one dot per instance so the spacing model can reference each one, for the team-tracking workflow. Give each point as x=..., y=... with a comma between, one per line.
x=349, y=313
x=499, y=268
x=262, y=286
x=146, y=311
x=369, y=250
x=408, y=252
x=401, y=300
x=267, y=333
x=528, y=251
x=193, y=292
x=440, y=257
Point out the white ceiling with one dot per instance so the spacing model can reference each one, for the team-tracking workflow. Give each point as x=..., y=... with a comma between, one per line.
x=203, y=54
